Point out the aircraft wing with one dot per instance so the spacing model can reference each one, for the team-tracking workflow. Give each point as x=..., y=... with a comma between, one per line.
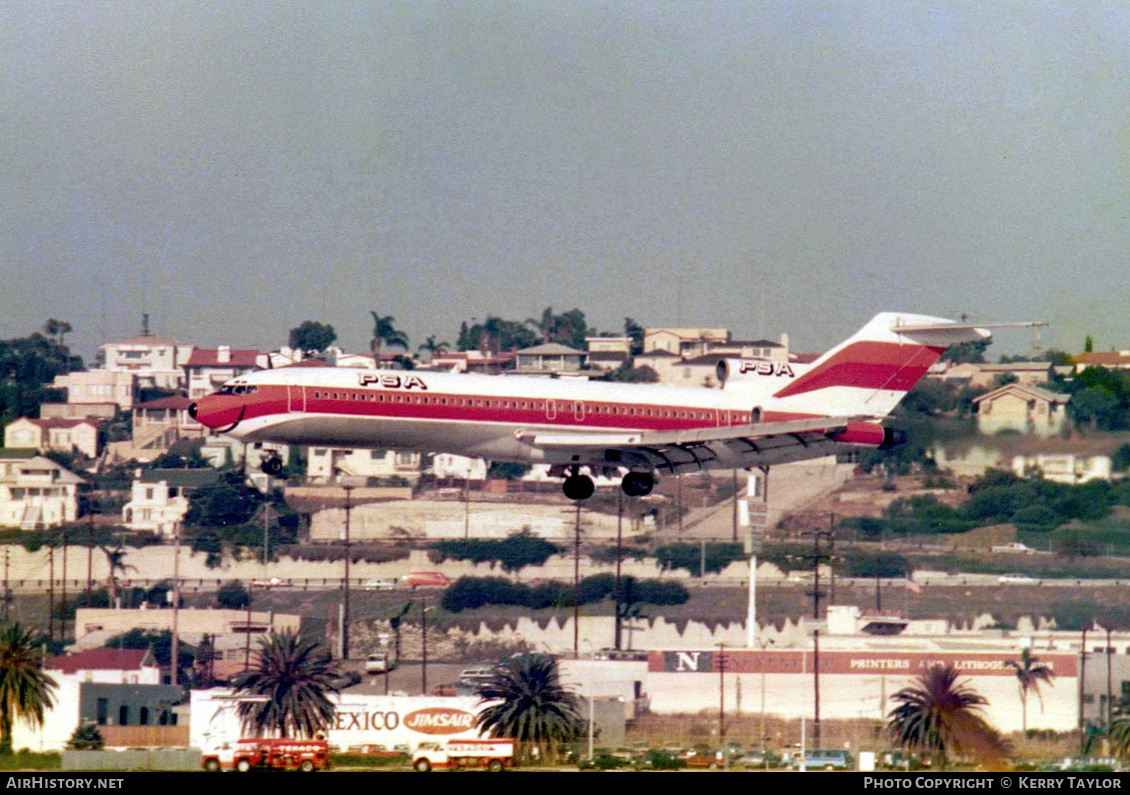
x=701, y=448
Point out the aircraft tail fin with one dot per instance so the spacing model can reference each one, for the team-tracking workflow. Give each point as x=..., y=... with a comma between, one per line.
x=871, y=371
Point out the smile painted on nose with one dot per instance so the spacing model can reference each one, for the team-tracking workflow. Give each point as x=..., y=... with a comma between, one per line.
x=218, y=412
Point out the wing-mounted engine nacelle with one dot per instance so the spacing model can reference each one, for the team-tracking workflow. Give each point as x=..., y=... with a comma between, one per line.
x=751, y=370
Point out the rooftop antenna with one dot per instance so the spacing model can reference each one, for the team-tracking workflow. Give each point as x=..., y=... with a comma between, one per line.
x=145, y=325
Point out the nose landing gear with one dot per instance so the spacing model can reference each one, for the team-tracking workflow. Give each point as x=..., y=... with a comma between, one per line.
x=272, y=465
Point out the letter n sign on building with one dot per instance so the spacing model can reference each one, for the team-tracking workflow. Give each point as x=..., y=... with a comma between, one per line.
x=688, y=661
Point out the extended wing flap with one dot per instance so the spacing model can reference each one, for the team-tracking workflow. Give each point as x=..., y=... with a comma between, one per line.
x=689, y=450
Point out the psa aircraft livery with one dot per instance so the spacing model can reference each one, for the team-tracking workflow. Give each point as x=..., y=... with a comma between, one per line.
x=766, y=413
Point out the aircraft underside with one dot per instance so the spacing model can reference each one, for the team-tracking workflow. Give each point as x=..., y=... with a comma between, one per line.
x=510, y=443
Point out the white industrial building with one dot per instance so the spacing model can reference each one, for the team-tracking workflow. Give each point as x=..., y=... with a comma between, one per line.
x=861, y=661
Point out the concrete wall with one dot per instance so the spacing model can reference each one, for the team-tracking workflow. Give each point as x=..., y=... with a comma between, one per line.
x=164, y=759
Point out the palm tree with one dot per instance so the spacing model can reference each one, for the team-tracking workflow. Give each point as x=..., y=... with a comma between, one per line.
x=115, y=559
x=938, y=715
x=432, y=347
x=1118, y=733
x=25, y=690
x=385, y=332
x=534, y=709
x=292, y=677
x=1030, y=673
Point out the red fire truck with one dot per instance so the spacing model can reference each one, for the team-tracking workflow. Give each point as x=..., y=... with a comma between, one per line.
x=268, y=752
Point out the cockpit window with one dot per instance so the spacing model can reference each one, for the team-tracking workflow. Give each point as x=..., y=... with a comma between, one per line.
x=229, y=389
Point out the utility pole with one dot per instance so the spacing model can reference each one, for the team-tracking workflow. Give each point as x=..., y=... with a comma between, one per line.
x=63, y=597
x=576, y=581
x=7, y=588
x=734, y=472
x=816, y=557
x=247, y=629
x=619, y=557
x=467, y=502
x=816, y=679
x=345, y=593
x=174, y=662
x=423, y=645
x=1082, y=690
x=51, y=592
x=89, y=555
x=722, y=702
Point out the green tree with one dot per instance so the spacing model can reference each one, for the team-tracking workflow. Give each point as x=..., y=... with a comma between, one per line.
x=1119, y=734
x=222, y=504
x=569, y=328
x=27, y=366
x=116, y=560
x=967, y=352
x=627, y=374
x=86, y=738
x=433, y=348
x=294, y=677
x=26, y=692
x=942, y=717
x=312, y=337
x=495, y=335
x=1030, y=674
x=232, y=595
x=534, y=708
x=57, y=329
x=384, y=332
x=635, y=332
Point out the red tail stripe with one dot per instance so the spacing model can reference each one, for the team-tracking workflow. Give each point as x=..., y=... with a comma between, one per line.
x=868, y=365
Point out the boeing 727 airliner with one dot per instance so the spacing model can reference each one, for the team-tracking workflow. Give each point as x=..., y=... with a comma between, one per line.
x=766, y=413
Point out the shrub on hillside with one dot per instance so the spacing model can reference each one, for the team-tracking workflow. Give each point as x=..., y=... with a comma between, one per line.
x=697, y=559
x=468, y=593
x=513, y=553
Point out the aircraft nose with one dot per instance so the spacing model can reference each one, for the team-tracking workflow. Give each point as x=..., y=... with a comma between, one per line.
x=192, y=409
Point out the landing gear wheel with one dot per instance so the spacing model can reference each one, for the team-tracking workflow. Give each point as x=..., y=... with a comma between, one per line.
x=578, y=487
x=272, y=465
x=638, y=484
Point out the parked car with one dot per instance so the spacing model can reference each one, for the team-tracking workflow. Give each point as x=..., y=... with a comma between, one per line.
x=379, y=584
x=378, y=663
x=1017, y=579
x=759, y=760
x=824, y=759
x=426, y=579
x=1012, y=546
x=479, y=672
x=273, y=582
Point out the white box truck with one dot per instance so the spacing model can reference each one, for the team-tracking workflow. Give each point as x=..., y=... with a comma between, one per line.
x=493, y=755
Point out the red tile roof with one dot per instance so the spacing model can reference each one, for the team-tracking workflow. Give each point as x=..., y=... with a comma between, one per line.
x=99, y=660
x=202, y=357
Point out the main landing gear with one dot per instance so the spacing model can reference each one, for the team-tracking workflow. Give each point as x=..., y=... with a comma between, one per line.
x=581, y=487
x=638, y=484
x=578, y=486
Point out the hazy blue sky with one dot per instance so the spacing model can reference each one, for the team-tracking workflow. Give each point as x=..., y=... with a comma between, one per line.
x=235, y=168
